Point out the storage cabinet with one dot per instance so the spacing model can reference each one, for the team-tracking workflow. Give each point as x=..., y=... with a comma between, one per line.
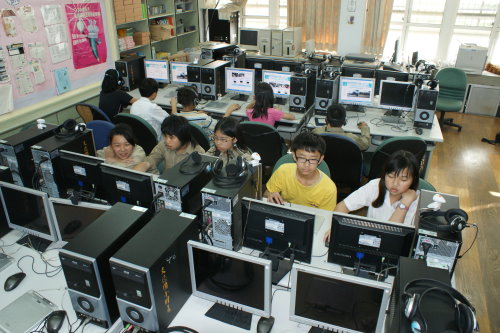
x=482, y=99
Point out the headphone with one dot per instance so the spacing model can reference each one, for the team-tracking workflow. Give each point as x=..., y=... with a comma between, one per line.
x=115, y=74
x=432, y=84
x=182, y=329
x=193, y=164
x=456, y=220
x=233, y=175
x=465, y=314
x=69, y=128
x=418, y=82
x=192, y=91
x=341, y=120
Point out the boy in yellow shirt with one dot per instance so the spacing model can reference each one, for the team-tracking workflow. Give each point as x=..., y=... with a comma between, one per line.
x=302, y=182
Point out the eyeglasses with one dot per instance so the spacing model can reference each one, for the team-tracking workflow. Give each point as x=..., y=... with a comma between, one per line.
x=311, y=161
x=223, y=139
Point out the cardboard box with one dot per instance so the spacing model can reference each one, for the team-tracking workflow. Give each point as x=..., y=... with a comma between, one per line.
x=128, y=2
x=120, y=20
x=117, y=3
x=179, y=56
x=161, y=31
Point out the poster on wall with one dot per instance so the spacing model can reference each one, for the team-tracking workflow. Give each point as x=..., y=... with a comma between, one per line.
x=87, y=34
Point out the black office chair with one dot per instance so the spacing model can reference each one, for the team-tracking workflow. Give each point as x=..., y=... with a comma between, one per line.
x=345, y=161
x=143, y=131
x=200, y=136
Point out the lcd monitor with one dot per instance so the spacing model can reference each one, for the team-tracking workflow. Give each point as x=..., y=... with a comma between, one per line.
x=279, y=232
x=157, y=70
x=128, y=186
x=397, y=95
x=280, y=82
x=240, y=81
x=248, y=39
x=28, y=211
x=334, y=302
x=237, y=280
x=70, y=219
x=390, y=76
x=356, y=91
x=81, y=173
x=358, y=72
x=178, y=70
x=368, y=247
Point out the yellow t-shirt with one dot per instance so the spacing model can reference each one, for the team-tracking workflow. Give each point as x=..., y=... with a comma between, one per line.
x=321, y=195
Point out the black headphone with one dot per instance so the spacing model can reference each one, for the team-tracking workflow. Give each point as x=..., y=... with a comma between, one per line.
x=182, y=329
x=456, y=219
x=418, y=63
x=193, y=164
x=115, y=74
x=418, y=82
x=69, y=128
x=432, y=84
x=341, y=120
x=192, y=91
x=233, y=175
x=465, y=314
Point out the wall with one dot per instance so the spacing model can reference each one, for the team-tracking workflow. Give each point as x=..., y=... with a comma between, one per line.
x=351, y=28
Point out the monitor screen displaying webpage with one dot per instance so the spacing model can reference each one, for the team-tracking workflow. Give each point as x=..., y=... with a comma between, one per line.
x=157, y=70
x=240, y=80
x=357, y=91
x=179, y=72
x=279, y=81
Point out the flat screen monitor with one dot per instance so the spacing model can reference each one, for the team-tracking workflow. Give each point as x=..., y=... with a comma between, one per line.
x=390, y=76
x=157, y=70
x=279, y=81
x=356, y=91
x=278, y=232
x=70, y=219
x=397, y=95
x=178, y=70
x=28, y=211
x=227, y=277
x=125, y=185
x=368, y=246
x=240, y=81
x=81, y=173
x=337, y=302
x=358, y=72
x=248, y=39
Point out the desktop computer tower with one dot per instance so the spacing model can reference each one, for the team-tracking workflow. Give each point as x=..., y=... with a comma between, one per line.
x=181, y=192
x=264, y=41
x=292, y=41
x=15, y=153
x=5, y=176
x=327, y=93
x=213, y=79
x=217, y=51
x=277, y=42
x=258, y=64
x=426, y=101
x=85, y=261
x=131, y=70
x=302, y=92
x=194, y=73
x=225, y=31
x=236, y=60
x=46, y=159
x=152, y=283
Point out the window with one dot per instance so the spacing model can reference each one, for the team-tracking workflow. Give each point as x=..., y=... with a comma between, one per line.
x=265, y=13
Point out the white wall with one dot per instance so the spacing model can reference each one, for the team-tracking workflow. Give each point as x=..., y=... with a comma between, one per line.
x=351, y=35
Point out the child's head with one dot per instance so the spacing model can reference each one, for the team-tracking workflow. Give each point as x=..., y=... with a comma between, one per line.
x=187, y=97
x=227, y=134
x=264, y=99
x=148, y=88
x=308, y=151
x=176, y=132
x=111, y=79
x=335, y=115
x=122, y=141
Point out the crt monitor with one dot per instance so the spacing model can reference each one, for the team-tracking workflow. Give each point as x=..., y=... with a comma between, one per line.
x=157, y=70
x=240, y=81
x=279, y=81
x=178, y=70
x=390, y=76
x=70, y=219
x=81, y=173
x=356, y=91
x=396, y=95
x=367, y=246
x=237, y=280
x=128, y=186
x=278, y=232
x=28, y=211
x=248, y=39
x=337, y=302
x=358, y=72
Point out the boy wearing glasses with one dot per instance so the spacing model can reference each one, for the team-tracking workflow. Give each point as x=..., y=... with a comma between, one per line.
x=302, y=182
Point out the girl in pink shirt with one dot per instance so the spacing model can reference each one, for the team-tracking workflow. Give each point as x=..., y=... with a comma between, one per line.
x=262, y=110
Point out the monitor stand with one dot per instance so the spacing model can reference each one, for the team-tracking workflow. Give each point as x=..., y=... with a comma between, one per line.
x=240, y=97
x=281, y=266
x=319, y=330
x=34, y=242
x=280, y=100
x=231, y=316
x=366, y=272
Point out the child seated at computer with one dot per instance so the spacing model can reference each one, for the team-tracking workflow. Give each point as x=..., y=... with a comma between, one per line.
x=122, y=150
x=262, y=109
x=177, y=144
x=336, y=118
x=302, y=182
x=393, y=197
x=146, y=108
x=229, y=142
x=112, y=99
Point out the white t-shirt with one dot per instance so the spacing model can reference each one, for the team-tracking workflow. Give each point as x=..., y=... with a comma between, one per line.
x=150, y=112
x=365, y=195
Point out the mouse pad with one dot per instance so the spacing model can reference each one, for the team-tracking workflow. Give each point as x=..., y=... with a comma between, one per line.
x=25, y=313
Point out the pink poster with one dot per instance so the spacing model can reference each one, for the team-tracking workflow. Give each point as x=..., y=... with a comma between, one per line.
x=87, y=34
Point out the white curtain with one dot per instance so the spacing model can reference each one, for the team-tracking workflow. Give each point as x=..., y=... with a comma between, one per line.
x=377, y=22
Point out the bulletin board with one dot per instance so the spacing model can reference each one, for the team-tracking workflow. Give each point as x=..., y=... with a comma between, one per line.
x=49, y=47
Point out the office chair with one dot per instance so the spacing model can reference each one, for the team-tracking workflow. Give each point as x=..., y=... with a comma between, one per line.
x=413, y=144
x=200, y=136
x=425, y=185
x=452, y=86
x=100, y=130
x=345, y=161
x=90, y=112
x=144, y=133
x=288, y=158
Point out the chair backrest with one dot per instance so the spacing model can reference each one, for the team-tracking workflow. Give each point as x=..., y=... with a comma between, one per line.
x=200, y=136
x=144, y=133
x=344, y=159
x=425, y=185
x=90, y=112
x=100, y=130
x=413, y=144
x=265, y=140
x=452, y=83
x=288, y=158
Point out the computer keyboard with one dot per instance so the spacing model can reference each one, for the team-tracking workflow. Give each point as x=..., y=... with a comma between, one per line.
x=5, y=261
x=216, y=105
x=170, y=94
x=231, y=316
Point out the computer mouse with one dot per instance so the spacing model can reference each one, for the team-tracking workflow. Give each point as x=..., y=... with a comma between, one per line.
x=72, y=227
x=55, y=321
x=419, y=131
x=265, y=324
x=13, y=281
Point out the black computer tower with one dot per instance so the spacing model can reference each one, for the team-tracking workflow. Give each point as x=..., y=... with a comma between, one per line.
x=426, y=101
x=217, y=51
x=213, y=79
x=236, y=60
x=258, y=64
x=15, y=152
x=152, y=283
x=302, y=89
x=181, y=191
x=132, y=71
x=49, y=177
x=327, y=93
x=225, y=31
x=85, y=261
x=194, y=73
x=5, y=176
x=435, y=308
